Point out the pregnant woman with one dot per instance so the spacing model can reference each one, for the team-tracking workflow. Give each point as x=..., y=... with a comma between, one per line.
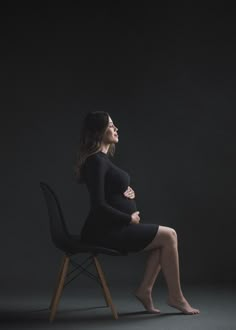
x=113, y=220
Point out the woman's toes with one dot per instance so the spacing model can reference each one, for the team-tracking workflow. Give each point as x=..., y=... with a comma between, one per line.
x=183, y=306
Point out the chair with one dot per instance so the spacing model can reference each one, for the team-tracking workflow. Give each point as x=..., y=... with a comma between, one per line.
x=71, y=245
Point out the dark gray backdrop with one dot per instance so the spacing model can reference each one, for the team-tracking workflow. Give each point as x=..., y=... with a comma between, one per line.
x=166, y=75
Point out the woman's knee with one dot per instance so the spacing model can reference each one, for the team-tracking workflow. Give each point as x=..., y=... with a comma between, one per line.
x=167, y=235
x=173, y=233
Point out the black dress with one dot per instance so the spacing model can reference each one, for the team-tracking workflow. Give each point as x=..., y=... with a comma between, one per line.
x=108, y=222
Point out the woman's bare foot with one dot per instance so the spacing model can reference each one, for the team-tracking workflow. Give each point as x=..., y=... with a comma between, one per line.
x=146, y=299
x=182, y=305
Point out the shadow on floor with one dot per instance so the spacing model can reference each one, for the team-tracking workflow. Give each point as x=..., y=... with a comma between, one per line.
x=70, y=316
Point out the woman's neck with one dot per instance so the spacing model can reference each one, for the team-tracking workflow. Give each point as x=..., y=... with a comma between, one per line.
x=104, y=149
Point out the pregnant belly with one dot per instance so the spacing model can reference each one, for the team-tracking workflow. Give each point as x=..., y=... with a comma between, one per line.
x=123, y=203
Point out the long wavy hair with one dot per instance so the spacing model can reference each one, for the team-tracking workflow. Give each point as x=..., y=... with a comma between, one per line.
x=92, y=131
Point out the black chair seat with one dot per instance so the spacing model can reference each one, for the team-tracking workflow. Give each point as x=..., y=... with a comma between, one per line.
x=77, y=246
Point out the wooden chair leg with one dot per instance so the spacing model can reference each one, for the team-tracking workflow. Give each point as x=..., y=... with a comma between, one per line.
x=105, y=297
x=57, y=281
x=58, y=292
x=106, y=290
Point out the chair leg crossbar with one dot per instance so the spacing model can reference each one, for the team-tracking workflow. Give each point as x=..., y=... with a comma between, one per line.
x=63, y=280
x=83, y=270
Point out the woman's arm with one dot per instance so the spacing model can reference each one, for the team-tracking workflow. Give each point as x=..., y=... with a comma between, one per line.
x=95, y=174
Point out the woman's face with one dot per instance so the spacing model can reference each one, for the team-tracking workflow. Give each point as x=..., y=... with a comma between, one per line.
x=111, y=135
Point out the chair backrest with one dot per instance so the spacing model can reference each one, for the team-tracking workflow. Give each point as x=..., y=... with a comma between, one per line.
x=58, y=229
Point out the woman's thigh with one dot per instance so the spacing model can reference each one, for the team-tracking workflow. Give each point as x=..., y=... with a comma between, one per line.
x=162, y=237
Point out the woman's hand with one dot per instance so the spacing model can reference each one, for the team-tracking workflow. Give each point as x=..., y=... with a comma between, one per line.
x=129, y=193
x=135, y=217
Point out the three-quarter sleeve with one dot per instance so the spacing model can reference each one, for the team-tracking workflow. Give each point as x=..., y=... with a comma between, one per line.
x=95, y=179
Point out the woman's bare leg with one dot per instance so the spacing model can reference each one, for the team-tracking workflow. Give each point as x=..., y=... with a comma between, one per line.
x=144, y=291
x=152, y=269
x=166, y=242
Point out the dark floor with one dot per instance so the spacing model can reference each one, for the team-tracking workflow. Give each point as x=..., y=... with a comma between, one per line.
x=85, y=309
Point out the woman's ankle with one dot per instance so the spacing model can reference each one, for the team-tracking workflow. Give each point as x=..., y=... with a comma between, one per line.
x=144, y=289
x=176, y=296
